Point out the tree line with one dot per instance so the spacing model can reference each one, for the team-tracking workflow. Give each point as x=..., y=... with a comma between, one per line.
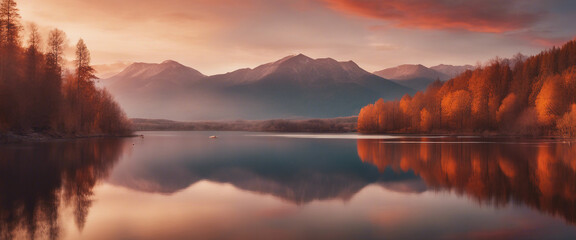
x=333, y=125
x=38, y=93
x=519, y=96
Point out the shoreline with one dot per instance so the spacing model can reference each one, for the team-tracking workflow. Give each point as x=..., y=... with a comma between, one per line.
x=469, y=134
x=10, y=138
x=451, y=135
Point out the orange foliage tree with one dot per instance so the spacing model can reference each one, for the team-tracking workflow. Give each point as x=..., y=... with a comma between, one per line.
x=456, y=109
x=567, y=124
x=519, y=96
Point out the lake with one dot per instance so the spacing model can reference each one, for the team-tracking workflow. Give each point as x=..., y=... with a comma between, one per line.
x=243, y=185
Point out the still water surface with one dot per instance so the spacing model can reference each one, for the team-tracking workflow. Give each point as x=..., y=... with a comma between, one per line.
x=182, y=185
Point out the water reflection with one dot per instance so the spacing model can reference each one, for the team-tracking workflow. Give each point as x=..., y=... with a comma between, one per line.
x=541, y=175
x=296, y=170
x=37, y=180
x=205, y=188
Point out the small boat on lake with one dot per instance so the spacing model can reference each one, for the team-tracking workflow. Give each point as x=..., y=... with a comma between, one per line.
x=213, y=137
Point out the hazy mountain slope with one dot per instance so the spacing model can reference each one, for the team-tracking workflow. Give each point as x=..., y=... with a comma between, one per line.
x=414, y=76
x=104, y=71
x=153, y=90
x=408, y=71
x=452, y=71
x=299, y=86
x=295, y=86
x=150, y=78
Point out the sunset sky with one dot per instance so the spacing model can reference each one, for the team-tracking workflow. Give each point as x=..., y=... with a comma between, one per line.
x=217, y=36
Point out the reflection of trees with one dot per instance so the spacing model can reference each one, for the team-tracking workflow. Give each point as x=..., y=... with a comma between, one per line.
x=35, y=179
x=542, y=176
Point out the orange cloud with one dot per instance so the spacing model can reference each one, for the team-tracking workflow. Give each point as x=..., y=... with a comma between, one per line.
x=493, y=16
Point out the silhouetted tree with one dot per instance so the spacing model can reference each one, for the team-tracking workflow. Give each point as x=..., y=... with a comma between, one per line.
x=52, y=82
x=33, y=94
x=37, y=116
x=84, y=77
x=10, y=106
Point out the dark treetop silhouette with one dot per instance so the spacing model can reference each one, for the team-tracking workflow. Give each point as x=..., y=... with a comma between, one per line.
x=38, y=95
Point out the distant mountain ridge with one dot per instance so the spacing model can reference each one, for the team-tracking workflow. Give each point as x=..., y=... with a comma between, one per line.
x=292, y=87
x=304, y=69
x=452, y=71
x=418, y=77
x=409, y=71
x=104, y=71
x=145, y=76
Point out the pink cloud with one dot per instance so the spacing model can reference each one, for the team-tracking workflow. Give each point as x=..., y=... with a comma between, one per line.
x=494, y=16
x=548, y=42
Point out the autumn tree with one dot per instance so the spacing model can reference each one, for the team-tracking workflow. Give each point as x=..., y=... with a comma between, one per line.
x=10, y=19
x=52, y=82
x=84, y=77
x=37, y=93
x=508, y=111
x=523, y=95
x=110, y=117
x=367, y=119
x=37, y=115
x=410, y=106
x=10, y=106
x=567, y=124
x=456, y=109
x=9, y=39
x=549, y=102
x=426, y=120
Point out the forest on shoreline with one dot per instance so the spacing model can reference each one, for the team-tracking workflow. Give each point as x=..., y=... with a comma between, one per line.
x=332, y=125
x=37, y=92
x=535, y=96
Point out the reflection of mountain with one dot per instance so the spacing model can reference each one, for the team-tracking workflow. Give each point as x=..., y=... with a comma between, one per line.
x=300, y=183
x=293, y=171
x=295, y=86
x=542, y=176
x=35, y=179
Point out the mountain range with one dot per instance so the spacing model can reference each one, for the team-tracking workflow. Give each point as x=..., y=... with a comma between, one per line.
x=106, y=70
x=418, y=77
x=292, y=87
